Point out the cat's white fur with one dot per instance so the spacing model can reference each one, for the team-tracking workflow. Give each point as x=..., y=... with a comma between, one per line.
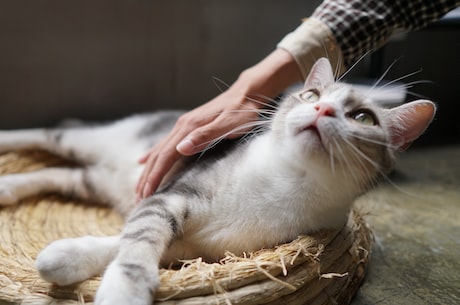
x=298, y=177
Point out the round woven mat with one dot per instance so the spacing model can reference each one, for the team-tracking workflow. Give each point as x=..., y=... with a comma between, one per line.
x=325, y=268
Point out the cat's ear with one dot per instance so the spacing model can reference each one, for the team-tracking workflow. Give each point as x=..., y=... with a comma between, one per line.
x=407, y=122
x=321, y=75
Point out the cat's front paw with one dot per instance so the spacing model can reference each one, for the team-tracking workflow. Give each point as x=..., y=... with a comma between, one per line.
x=119, y=286
x=69, y=261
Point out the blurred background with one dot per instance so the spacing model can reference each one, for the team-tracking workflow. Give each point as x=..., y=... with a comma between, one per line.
x=101, y=59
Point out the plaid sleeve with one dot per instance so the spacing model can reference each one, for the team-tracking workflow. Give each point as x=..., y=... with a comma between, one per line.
x=364, y=25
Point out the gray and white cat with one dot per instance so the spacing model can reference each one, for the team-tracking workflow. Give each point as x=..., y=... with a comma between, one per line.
x=324, y=146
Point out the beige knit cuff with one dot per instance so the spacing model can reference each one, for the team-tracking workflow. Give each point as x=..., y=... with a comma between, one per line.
x=311, y=41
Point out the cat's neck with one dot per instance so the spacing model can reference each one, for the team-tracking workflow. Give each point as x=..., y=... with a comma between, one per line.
x=271, y=162
x=268, y=161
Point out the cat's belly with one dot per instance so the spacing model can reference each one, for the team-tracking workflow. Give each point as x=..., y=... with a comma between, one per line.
x=181, y=250
x=211, y=247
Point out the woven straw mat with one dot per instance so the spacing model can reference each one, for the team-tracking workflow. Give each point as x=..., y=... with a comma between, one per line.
x=325, y=268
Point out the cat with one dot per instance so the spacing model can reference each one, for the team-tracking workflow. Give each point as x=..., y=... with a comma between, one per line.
x=322, y=146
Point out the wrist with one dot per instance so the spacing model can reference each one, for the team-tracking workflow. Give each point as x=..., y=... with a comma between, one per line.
x=312, y=40
x=271, y=76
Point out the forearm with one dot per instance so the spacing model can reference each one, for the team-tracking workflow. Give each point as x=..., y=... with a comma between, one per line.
x=269, y=77
x=309, y=42
x=345, y=30
x=360, y=26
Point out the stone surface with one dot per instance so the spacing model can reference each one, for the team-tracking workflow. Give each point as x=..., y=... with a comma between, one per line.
x=415, y=217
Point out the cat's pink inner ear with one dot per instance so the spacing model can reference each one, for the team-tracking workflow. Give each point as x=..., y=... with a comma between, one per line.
x=410, y=121
x=321, y=75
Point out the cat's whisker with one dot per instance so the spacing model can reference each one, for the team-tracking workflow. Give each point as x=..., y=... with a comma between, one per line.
x=331, y=157
x=361, y=154
x=346, y=161
x=404, y=86
x=271, y=103
x=353, y=66
x=337, y=68
x=384, y=176
x=417, y=95
x=326, y=49
x=263, y=113
x=220, y=84
x=379, y=80
x=242, y=130
x=326, y=52
x=254, y=127
x=359, y=159
x=410, y=84
x=373, y=141
x=401, y=78
x=371, y=162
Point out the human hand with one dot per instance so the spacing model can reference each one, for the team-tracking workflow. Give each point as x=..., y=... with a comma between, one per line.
x=229, y=115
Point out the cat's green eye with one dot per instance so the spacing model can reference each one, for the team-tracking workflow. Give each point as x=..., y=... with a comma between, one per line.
x=309, y=96
x=364, y=118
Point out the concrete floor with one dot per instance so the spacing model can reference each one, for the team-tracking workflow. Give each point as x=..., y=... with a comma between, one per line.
x=416, y=222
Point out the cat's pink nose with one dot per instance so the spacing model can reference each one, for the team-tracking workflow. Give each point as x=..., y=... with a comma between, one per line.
x=324, y=109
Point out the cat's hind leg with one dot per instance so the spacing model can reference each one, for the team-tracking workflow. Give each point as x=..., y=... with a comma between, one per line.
x=43, y=139
x=77, y=144
x=73, y=260
x=66, y=181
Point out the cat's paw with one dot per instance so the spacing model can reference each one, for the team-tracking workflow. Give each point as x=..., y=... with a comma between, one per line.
x=69, y=261
x=118, y=286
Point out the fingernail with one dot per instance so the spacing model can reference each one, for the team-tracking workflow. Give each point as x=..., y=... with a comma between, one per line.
x=185, y=147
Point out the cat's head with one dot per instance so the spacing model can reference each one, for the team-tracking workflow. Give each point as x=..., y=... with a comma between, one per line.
x=331, y=124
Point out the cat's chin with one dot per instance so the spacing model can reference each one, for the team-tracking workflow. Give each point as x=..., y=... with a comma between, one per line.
x=311, y=140
x=313, y=133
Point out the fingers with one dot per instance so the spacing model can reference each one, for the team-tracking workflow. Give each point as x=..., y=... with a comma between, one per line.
x=144, y=158
x=193, y=132
x=197, y=140
x=200, y=138
x=161, y=158
x=155, y=171
x=157, y=164
x=186, y=147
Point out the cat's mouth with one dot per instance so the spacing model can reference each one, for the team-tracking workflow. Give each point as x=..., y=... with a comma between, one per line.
x=313, y=130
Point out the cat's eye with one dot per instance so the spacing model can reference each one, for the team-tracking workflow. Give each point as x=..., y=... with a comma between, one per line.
x=364, y=117
x=309, y=96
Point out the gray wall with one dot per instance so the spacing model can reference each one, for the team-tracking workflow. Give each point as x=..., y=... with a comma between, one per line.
x=434, y=52
x=102, y=59
x=98, y=59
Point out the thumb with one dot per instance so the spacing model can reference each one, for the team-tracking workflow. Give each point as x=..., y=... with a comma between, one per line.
x=200, y=138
